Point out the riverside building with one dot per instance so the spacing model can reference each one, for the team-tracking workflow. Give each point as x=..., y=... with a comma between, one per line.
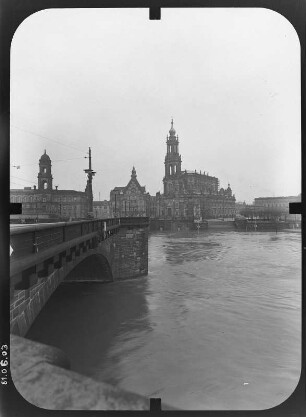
x=131, y=200
x=189, y=196
x=277, y=207
x=45, y=203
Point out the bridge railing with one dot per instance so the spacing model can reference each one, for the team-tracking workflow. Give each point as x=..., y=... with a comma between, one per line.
x=29, y=239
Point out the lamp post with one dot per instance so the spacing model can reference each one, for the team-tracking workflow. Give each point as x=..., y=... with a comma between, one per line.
x=90, y=174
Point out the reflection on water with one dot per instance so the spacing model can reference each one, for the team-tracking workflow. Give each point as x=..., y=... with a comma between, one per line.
x=214, y=325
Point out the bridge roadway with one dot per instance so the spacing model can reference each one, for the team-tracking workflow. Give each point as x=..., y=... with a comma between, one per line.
x=92, y=250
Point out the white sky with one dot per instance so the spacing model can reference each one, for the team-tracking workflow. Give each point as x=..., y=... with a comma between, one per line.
x=112, y=79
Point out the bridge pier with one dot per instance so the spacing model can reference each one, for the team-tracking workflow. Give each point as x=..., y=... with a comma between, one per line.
x=131, y=251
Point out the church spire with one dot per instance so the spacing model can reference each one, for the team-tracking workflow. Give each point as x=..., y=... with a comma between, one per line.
x=172, y=130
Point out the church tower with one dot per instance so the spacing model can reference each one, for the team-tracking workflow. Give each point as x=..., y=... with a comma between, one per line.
x=44, y=176
x=173, y=160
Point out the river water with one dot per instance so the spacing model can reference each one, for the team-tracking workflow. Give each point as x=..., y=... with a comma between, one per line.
x=216, y=324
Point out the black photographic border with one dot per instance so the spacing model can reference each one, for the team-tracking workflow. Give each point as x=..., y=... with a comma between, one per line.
x=12, y=14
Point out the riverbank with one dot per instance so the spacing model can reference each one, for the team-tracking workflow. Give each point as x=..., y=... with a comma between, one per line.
x=166, y=225
x=161, y=225
x=38, y=370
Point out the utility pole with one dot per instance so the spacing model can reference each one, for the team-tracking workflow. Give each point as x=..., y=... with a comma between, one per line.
x=90, y=174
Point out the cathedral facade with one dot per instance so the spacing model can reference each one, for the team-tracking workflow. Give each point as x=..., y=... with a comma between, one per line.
x=189, y=195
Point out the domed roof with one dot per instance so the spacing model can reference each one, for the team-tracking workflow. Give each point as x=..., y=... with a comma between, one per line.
x=172, y=131
x=45, y=157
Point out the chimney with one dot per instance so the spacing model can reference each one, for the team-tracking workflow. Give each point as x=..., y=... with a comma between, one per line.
x=34, y=187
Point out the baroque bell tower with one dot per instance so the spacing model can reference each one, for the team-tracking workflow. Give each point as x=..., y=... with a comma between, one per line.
x=173, y=161
x=44, y=176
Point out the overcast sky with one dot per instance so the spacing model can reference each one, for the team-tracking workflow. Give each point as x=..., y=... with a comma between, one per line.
x=112, y=79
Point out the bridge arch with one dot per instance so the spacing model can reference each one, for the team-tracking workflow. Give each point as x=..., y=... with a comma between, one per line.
x=44, y=255
x=94, y=267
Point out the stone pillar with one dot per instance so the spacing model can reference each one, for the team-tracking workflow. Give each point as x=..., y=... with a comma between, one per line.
x=131, y=252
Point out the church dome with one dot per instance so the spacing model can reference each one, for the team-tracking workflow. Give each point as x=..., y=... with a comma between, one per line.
x=45, y=157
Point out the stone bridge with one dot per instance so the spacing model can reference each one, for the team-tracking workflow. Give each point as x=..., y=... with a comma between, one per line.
x=44, y=255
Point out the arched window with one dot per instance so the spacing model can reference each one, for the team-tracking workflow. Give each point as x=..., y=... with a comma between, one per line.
x=45, y=185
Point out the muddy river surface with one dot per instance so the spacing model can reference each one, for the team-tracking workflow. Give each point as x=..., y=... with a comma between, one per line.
x=216, y=324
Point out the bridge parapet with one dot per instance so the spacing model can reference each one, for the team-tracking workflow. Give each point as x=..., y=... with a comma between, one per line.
x=43, y=247
x=29, y=239
x=46, y=254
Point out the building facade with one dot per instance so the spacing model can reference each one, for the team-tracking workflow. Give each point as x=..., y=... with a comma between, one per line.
x=240, y=207
x=44, y=203
x=189, y=195
x=276, y=207
x=131, y=200
x=102, y=209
